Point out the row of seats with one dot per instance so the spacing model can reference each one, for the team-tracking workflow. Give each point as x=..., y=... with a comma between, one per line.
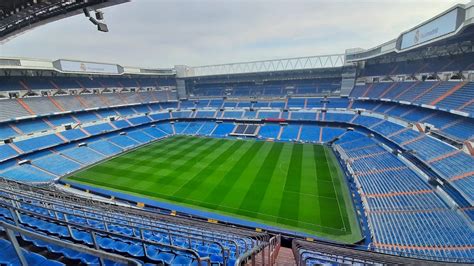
x=451, y=125
x=314, y=102
x=448, y=124
x=51, y=157
x=395, y=132
x=28, y=126
x=451, y=63
x=56, y=161
x=275, y=88
x=15, y=83
x=405, y=213
x=17, y=108
x=144, y=236
x=73, y=155
x=305, y=133
x=446, y=95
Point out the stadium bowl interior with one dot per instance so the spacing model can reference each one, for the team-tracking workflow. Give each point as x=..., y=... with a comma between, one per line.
x=364, y=159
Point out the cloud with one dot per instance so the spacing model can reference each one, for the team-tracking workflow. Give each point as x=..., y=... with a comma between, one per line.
x=164, y=33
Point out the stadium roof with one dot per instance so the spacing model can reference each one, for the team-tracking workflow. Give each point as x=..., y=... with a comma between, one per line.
x=450, y=26
x=285, y=64
x=17, y=16
x=28, y=66
x=449, y=30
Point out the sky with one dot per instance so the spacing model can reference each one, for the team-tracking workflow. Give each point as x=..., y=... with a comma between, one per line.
x=164, y=33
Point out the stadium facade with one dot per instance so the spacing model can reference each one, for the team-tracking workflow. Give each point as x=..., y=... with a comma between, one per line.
x=398, y=117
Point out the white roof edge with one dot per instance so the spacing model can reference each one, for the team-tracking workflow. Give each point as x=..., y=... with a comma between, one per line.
x=26, y=63
x=461, y=26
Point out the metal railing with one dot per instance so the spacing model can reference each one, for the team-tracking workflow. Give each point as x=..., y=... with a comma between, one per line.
x=108, y=217
x=20, y=197
x=12, y=230
x=303, y=251
x=93, y=206
x=268, y=257
x=17, y=219
x=108, y=221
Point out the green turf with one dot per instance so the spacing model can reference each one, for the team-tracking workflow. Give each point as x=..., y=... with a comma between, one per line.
x=292, y=186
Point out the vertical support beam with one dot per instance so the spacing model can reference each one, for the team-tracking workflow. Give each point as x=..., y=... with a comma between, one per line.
x=11, y=236
x=69, y=230
x=96, y=245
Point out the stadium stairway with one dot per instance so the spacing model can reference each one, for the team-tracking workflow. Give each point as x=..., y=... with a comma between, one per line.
x=285, y=257
x=25, y=106
x=449, y=92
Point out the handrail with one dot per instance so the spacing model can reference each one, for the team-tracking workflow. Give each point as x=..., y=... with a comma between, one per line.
x=250, y=253
x=20, y=188
x=148, y=228
x=88, y=202
x=375, y=255
x=15, y=213
x=139, y=213
x=137, y=225
x=273, y=245
x=12, y=229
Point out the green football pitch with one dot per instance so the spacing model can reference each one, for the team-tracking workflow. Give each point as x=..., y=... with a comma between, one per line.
x=293, y=186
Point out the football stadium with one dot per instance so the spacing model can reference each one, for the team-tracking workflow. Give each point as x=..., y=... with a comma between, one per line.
x=363, y=157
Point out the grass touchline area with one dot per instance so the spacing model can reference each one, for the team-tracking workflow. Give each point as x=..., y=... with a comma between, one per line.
x=293, y=186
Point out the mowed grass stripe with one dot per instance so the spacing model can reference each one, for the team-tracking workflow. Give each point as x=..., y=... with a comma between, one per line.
x=174, y=180
x=334, y=169
x=347, y=208
x=224, y=187
x=253, y=198
x=309, y=211
x=112, y=169
x=166, y=164
x=180, y=164
x=208, y=183
x=280, y=184
x=156, y=154
x=151, y=150
x=143, y=191
x=197, y=179
x=289, y=206
x=328, y=202
x=271, y=202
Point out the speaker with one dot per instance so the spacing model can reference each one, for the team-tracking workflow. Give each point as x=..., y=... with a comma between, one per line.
x=93, y=20
x=67, y=127
x=102, y=27
x=99, y=15
x=86, y=12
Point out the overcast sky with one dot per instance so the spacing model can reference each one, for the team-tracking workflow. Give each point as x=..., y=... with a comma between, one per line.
x=164, y=33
